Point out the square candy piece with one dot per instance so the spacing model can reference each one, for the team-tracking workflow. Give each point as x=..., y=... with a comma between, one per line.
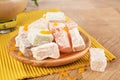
x=98, y=60
x=71, y=25
x=40, y=37
x=20, y=36
x=46, y=50
x=38, y=25
x=62, y=39
x=53, y=25
x=25, y=50
x=55, y=16
x=23, y=44
x=78, y=43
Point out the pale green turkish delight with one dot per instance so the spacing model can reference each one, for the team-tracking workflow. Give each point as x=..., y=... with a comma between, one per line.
x=36, y=38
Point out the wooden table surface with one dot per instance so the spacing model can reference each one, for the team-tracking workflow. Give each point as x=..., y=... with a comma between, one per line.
x=101, y=19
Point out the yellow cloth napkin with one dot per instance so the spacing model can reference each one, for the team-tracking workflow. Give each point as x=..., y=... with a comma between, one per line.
x=11, y=69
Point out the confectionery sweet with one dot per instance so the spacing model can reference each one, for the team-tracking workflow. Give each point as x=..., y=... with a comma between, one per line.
x=78, y=43
x=62, y=39
x=98, y=61
x=55, y=16
x=50, y=36
x=46, y=50
x=37, y=38
x=38, y=25
x=23, y=44
x=71, y=25
x=21, y=34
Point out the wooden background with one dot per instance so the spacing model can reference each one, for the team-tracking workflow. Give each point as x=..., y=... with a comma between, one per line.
x=101, y=19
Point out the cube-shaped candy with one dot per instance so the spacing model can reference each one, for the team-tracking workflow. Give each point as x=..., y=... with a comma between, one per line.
x=38, y=25
x=23, y=44
x=61, y=38
x=98, y=60
x=55, y=16
x=46, y=50
x=40, y=37
x=25, y=48
x=20, y=36
x=54, y=25
x=78, y=43
x=71, y=25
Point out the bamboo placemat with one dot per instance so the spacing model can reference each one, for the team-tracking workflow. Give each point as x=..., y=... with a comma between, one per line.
x=11, y=69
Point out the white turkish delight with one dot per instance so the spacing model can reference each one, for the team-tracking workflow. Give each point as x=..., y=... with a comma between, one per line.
x=71, y=25
x=98, y=60
x=23, y=44
x=78, y=43
x=46, y=50
x=24, y=47
x=38, y=25
x=55, y=16
x=19, y=37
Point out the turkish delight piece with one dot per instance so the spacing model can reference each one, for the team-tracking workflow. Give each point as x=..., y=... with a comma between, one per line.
x=71, y=25
x=61, y=38
x=54, y=25
x=46, y=50
x=98, y=60
x=20, y=36
x=38, y=25
x=55, y=16
x=22, y=33
x=23, y=44
x=40, y=37
x=78, y=43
